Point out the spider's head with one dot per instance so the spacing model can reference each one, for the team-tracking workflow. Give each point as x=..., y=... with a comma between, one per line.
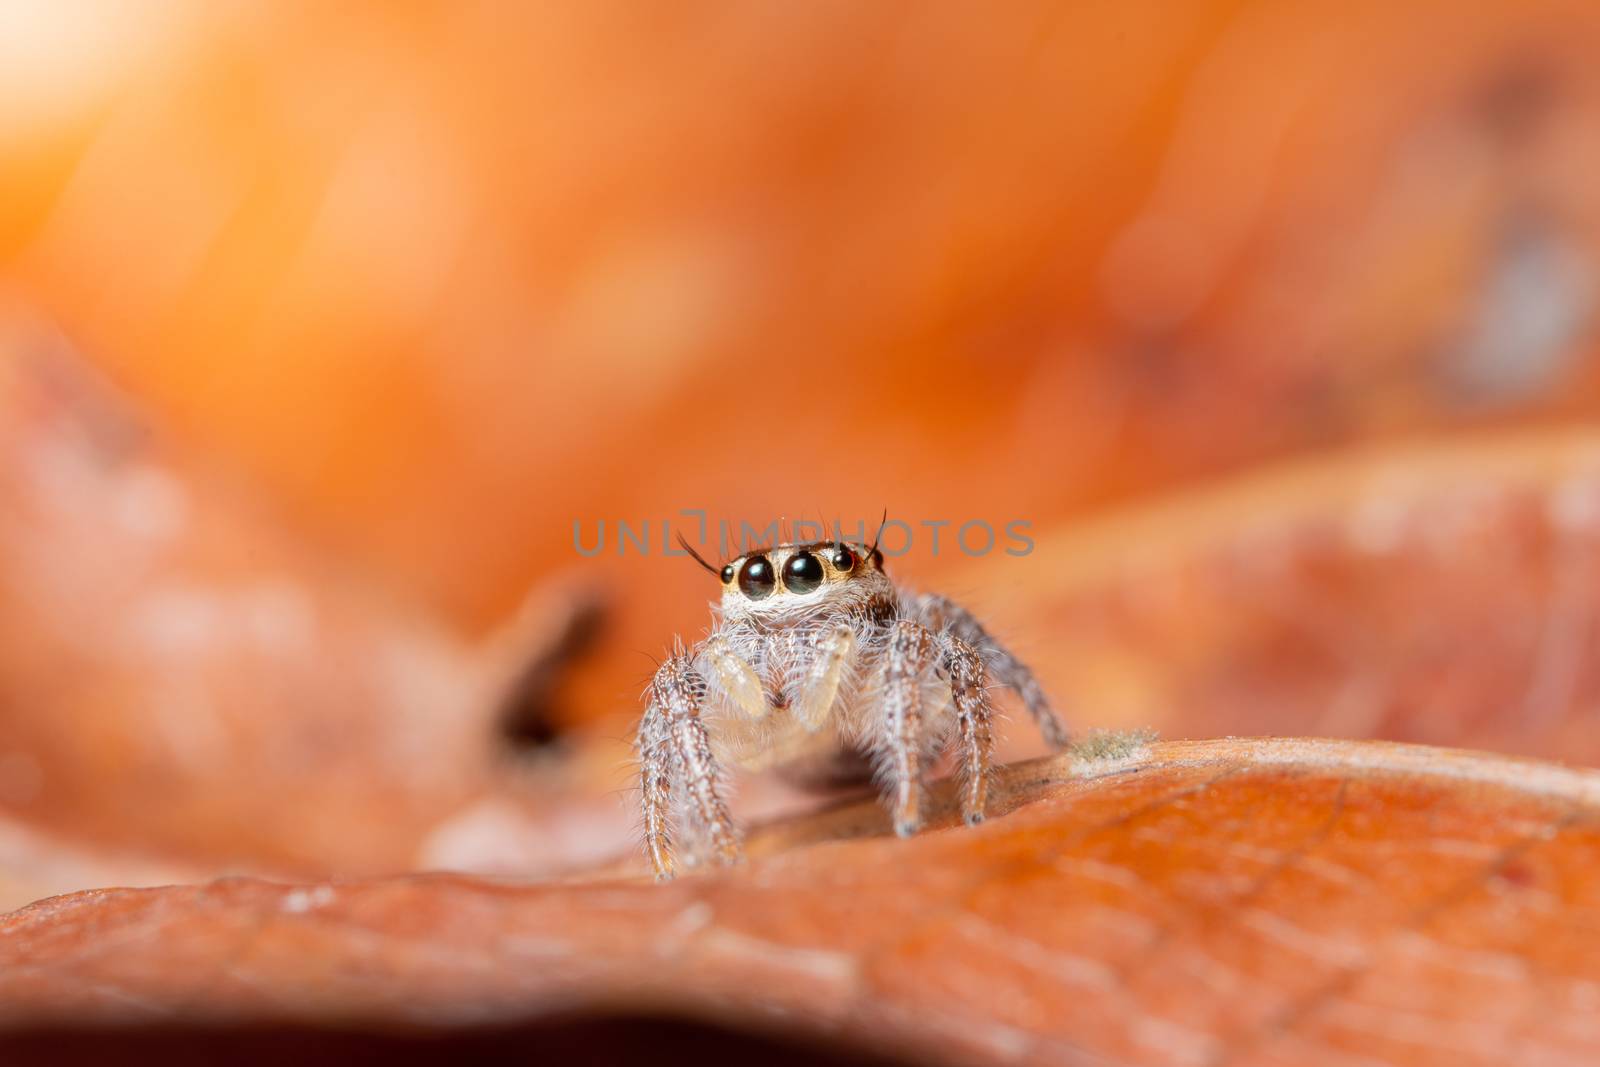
x=801, y=580
x=799, y=570
x=797, y=581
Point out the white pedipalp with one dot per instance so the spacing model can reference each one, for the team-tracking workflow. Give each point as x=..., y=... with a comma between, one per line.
x=821, y=684
x=733, y=676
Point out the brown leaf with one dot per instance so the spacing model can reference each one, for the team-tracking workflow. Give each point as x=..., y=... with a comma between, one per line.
x=185, y=676
x=1073, y=253
x=35, y=864
x=1442, y=593
x=1239, y=902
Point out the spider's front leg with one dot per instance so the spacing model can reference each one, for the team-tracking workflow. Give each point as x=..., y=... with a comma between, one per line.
x=912, y=650
x=962, y=665
x=672, y=737
x=907, y=657
x=655, y=787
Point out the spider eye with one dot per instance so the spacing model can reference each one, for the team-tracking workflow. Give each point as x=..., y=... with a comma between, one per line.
x=842, y=558
x=802, y=573
x=727, y=574
x=756, y=579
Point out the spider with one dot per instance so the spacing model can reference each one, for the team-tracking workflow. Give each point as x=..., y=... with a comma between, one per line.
x=819, y=666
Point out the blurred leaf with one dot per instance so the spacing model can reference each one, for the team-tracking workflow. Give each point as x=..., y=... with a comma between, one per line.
x=186, y=676
x=1446, y=593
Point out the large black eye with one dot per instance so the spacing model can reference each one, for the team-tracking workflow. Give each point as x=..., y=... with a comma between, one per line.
x=756, y=578
x=842, y=558
x=727, y=574
x=802, y=573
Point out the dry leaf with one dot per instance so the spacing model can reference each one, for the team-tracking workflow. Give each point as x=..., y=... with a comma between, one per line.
x=1232, y=902
x=1441, y=593
x=1075, y=253
x=189, y=681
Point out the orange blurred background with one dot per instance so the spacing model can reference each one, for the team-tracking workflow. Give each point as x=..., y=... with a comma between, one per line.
x=423, y=285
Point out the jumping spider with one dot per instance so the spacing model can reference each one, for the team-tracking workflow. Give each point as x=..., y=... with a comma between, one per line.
x=818, y=665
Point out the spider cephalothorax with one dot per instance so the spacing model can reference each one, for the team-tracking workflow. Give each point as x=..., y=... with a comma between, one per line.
x=816, y=660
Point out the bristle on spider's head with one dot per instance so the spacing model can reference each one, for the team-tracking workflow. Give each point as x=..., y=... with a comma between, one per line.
x=698, y=558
